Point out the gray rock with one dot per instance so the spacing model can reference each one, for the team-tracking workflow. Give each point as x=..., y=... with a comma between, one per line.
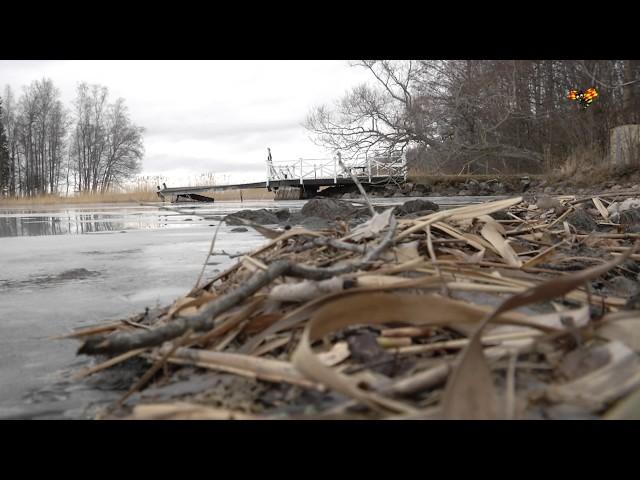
x=261, y=217
x=473, y=186
x=406, y=188
x=240, y=229
x=547, y=203
x=624, y=287
x=283, y=214
x=501, y=216
x=630, y=220
x=548, y=190
x=413, y=206
x=582, y=220
x=315, y=223
x=464, y=193
x=416, y=193
x=389, y=192
x=328, y=208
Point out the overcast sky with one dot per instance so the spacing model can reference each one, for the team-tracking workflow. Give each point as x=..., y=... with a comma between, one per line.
x=207, y=116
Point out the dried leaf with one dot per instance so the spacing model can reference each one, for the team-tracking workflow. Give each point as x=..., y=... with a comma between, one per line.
x=266, y=369
x=626, y=330
x=627, y=409
x=603, y=211
x=490, y=232
x=474, y=240
x=338, y=353
x=185, y=411
x=372, y=227
x=402, y=253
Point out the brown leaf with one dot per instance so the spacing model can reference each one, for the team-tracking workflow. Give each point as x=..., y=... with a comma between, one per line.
x=372, y=227
x=471, y=394
x=259, y=323
x=626, y=330
x=491, y=233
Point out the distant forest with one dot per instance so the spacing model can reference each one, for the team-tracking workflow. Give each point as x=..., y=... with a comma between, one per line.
x=481, y=116
x=46, y=147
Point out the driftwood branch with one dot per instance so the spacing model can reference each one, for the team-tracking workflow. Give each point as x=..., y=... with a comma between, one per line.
x=204, y=320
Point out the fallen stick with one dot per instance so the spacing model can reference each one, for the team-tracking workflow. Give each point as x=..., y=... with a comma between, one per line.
x=204, y=320
x=266, y=369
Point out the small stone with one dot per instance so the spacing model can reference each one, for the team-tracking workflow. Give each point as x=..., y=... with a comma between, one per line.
x=240, y=229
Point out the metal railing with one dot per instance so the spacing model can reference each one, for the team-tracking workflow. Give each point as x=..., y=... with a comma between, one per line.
x=364, y=167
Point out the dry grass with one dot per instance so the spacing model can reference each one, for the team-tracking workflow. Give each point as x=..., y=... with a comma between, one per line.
x=109, y=197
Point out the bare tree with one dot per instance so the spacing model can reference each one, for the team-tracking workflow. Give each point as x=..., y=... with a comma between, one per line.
x=124, y=146
x=107, y=147
x=5, y=171
x=483, y=116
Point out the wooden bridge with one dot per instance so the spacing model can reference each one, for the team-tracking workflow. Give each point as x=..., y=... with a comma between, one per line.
x=303, y=178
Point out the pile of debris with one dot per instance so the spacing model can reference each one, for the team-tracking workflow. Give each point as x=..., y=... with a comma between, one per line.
x=506, y=309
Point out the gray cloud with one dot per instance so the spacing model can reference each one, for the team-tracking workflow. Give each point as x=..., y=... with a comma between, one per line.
x=218, y=130
x=204, y=116
x=203, y=164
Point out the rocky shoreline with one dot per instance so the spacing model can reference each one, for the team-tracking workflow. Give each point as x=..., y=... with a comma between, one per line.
x=491, y=187
x=320, y=213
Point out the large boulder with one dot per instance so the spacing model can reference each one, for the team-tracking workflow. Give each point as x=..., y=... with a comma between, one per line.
x=328, y=208
x=261, y=217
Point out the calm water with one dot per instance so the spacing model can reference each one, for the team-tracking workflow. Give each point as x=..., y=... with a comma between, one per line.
x=63, y=268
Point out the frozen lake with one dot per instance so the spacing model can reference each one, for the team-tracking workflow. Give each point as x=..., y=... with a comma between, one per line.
x=65, y=267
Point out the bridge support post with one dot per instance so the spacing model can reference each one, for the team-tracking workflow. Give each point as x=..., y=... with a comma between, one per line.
x=268, y=169
x=369, y=168
x=301, y=172
x=335, y=169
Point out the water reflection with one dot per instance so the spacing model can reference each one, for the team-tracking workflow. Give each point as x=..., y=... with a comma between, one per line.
x=73, y=224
